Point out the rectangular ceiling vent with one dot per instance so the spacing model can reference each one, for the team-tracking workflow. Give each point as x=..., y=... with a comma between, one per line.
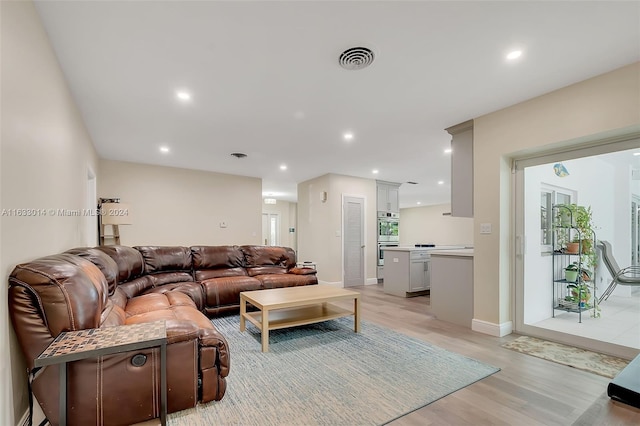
x=412, y=183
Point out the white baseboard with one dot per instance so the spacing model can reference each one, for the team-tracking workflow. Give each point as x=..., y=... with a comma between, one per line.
x=371, y=281
x=492, y=329
x=24, y=420
x=38, y=415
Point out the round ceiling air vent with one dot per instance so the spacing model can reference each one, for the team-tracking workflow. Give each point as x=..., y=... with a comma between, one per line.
x=356, y=58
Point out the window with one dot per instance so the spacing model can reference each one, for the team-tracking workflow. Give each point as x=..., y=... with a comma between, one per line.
x=550, y=195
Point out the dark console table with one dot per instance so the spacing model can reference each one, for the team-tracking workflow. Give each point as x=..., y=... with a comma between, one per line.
x=95, y=342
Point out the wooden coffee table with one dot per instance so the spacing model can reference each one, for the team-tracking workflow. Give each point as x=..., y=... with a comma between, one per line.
x=295, y=306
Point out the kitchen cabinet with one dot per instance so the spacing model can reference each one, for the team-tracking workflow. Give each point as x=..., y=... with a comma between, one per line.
x=406, y=271
x=462, y=169
x=419, y=271
x=452, y=286
x=388, y=197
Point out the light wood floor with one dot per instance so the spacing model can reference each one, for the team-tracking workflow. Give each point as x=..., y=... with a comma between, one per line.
x=527, y=390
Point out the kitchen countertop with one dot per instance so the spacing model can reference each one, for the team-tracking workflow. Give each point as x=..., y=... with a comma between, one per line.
x=458, y=252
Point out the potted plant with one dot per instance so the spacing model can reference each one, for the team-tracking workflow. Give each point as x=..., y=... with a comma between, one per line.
x=580, y=294
x=580, y=218
x=571, y=272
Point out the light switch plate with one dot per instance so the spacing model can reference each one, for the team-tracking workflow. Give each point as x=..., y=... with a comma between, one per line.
x=396, y=260
x=485, y=228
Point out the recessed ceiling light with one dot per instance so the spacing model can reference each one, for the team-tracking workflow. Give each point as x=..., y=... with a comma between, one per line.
x=636, y=153
x=418, y=202
x=448, y=151
x=515, y=54
x=183, y=96
x=283, y=167
x=440, y=182
x=164, y=149
x=375, y=171
x=348, y=136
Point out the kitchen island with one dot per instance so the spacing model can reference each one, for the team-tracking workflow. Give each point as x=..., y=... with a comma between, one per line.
x=452, y=286
x=407, y=269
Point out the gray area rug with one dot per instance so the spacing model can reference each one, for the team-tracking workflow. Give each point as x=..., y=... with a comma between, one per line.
x=593, y=362
x=325, y=374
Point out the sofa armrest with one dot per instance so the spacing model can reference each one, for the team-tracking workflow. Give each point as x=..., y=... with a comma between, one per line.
x=213, y=339
x=303, y=271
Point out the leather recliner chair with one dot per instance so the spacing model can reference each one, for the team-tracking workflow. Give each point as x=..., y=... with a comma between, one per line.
x=80, y=290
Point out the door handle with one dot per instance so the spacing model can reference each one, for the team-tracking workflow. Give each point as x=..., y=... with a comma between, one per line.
x=362, y=246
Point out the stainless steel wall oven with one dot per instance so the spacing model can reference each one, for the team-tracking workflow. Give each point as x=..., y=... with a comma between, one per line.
x=388, y=227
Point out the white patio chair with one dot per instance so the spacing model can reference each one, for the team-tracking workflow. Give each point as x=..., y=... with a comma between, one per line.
x=623, y=276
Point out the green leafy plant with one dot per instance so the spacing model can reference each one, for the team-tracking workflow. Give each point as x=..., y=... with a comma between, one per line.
x=581, y=218
x=580, y=289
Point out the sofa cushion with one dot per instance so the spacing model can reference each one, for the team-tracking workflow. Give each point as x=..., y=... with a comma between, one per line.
x=286, y=280
x=157, y=302
x=217, y=261
x=113, y=315
x=163, y=278
x=226, y=290
x=191, y=289
x=136, y=286
x=129, y=261
x=268, y=259
x=106, y=264
x=165, y=258
x=219, y=273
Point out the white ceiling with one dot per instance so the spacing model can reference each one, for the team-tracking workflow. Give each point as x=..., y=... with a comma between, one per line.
x=265, y=79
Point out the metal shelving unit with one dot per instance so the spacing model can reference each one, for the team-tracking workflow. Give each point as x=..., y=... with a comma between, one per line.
x=569, y=296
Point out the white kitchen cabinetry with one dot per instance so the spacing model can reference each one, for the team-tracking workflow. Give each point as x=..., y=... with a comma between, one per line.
x=388, y=197
x=452, y=286
x=419, y=271
x=462, y=169
x=406, y=271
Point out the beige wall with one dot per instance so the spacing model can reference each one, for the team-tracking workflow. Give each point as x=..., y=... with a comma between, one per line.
x=46, y=152
x=287, y=212
x=601, y=104
x=320, y=223
x=426, y=225
x=172, y=206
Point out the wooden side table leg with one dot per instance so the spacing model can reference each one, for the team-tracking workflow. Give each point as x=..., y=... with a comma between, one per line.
x=265, y=330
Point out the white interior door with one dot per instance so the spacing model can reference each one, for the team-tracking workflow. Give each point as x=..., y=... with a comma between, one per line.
x=271, y=229
x=353, y=224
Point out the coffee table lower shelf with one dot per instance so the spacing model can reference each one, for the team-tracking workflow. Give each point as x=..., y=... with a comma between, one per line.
x=293, y=317
x=295, y=306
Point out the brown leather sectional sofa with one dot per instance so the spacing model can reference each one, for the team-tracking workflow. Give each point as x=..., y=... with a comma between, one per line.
x=117, y=285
